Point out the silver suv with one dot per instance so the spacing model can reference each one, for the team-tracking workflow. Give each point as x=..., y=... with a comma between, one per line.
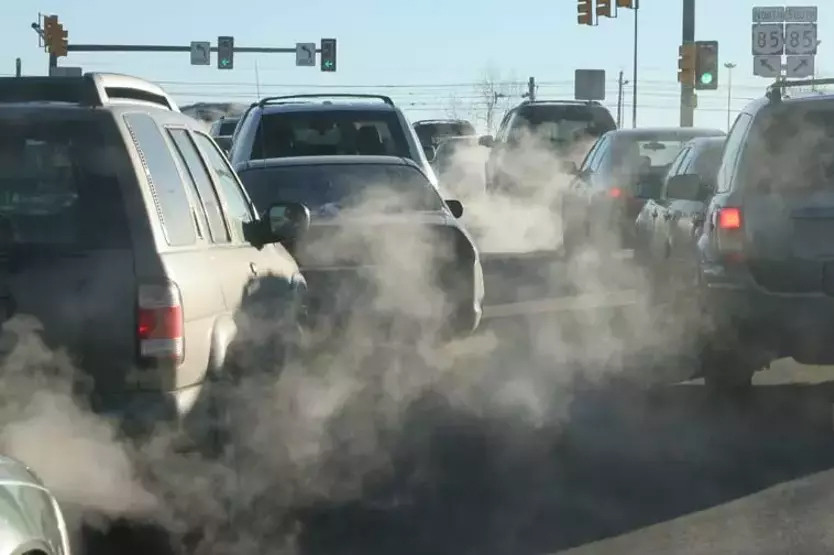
x=315, y=125
x=125, y=232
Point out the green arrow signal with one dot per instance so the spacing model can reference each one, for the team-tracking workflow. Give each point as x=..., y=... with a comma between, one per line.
x=328, y=63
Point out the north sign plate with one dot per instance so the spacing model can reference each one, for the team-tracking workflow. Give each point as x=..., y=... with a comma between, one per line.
x=767, y=66
x=768, y=39
x=801, y=14
x=772, y=14
x=797, y=67
x=800, y=39
x=200, y=53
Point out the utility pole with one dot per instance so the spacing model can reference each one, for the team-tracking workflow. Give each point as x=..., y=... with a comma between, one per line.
x=687, y=108
x=18, y=69
x=730, y=67
x=531, y=89
x=620, y=84
x=636, y=8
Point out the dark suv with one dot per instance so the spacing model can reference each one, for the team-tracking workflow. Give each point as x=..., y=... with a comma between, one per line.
x=125, y=232
x=760, y=247
x=432, y=131
x=561, y=128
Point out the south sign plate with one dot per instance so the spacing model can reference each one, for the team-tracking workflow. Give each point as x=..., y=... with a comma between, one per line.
x=801, y=14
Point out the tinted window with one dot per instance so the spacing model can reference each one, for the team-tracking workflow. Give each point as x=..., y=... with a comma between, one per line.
x=227, y=127
x=59, y=183
x=329, y=132
x=707, y=161
x=202, y=181
x=562, y=123
x=791, y=149
x=164, y=180
x=379, y=188
x=732, y=148
x=433, y=133
x=237, y=207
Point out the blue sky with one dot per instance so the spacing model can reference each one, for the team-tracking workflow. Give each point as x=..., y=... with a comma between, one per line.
x=428, y=55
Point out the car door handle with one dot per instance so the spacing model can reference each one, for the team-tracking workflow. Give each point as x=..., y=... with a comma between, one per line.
x=253, y=268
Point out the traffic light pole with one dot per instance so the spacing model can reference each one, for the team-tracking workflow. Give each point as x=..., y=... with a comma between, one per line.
x=687, y=110
x=172, y=48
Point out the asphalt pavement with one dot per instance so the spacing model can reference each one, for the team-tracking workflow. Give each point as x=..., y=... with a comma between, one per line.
x=602, y=465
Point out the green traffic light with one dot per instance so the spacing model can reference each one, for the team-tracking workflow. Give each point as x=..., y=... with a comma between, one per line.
x=706, y=78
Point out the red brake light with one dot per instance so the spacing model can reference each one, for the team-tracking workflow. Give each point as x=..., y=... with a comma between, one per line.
x=615, y=192
x=729, y=218
x=159, y=322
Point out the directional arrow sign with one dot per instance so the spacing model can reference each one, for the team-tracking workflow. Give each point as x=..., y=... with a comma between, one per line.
x=305, y=54
x=797, y=67
x=767, y=66
x=200, y=53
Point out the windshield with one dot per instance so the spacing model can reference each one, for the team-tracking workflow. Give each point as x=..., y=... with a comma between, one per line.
x=58, y=184
x=364, y=187
x=792, y=150
x=649, y=154
x=329, y=132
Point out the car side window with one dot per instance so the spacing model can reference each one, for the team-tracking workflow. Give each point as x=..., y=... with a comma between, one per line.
x=205, y=191
x=595, y=164
x=732, y=149
x=504, y=128
x=172, y=204
x=586, y=162
x=237, y=205
x=677, y=166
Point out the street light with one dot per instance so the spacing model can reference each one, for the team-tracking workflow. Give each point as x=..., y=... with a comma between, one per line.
x=729, y=67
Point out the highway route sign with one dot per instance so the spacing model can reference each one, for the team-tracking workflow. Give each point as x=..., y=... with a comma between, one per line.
x=768, y=39
x=769, y=14
x=589, y=84
x=797, y=67
x=767, y=66
x=800, y=39
x=305, y=54
x=200, y=53
x=801, y=14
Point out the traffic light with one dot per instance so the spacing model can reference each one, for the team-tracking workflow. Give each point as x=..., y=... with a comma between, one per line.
x=706, y=65
x=328, y=54
x=686, y=63
x=54, y=35
x=585, y=15
x=605, y=8
x=225, y=52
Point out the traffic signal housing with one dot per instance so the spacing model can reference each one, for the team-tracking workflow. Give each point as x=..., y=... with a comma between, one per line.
x=54, y=35
x=686, y=63
x=706, y=65
x=328, y=54
x=605, y=8
x=584, y=12
x=630, y=4
x=225, y=52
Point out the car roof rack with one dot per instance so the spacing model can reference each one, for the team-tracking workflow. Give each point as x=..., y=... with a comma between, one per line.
x=775, y=92
x=91, y=89
x=441, y=120
x=564, y=102
x=278, y=99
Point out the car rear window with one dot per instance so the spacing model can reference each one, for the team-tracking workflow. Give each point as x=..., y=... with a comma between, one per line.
x=329, y=132
x=562, y=123
x=384, y=188
x=59, y=182
x=226, y=128
x=791, y=148
x=432, y=133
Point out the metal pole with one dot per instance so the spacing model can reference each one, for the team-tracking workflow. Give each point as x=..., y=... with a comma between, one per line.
x=687, y=110
x=729, y=67
x=634, y=75
x=620, y=101
x=18, y=69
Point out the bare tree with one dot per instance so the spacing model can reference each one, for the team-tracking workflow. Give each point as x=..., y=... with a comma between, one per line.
x=496, y=95
x=453, y=107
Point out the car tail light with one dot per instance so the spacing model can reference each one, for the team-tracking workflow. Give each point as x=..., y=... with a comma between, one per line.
x=615, y=192
x=729, y=225
x=159, y=322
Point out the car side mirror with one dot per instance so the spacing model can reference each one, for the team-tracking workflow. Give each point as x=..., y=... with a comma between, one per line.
x=685, y=187
x=430, y=152
x=283, y=222
x=486, y=140
x=455, y=207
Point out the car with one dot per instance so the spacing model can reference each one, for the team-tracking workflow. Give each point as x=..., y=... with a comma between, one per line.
x=222, y=131
x=432, y=131
x=756, y=256
x=33, y=522
x=458, y=164
x=125, y=232
x=566, y=129
x=346, y=249
x=607, y=192
x=327, y=124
